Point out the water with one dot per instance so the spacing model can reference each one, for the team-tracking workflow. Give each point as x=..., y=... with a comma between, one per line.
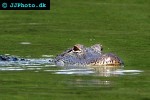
x=39, y=79
x=45, y=64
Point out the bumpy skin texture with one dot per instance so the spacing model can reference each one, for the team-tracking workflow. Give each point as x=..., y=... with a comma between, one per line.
x=10, y=58
x=80, y=55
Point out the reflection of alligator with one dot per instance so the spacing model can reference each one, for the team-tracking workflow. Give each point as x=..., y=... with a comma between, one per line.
x=80, y=55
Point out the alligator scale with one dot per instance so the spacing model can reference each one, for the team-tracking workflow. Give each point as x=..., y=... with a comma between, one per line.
x=79, y=55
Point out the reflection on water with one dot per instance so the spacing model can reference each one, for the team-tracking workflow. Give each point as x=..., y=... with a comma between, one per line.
x=114, y=71
x=98, y=71
x=45, y=64
x=88, y=83
x=107, y=70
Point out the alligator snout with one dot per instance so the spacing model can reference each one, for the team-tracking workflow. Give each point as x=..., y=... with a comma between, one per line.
x=109, y=59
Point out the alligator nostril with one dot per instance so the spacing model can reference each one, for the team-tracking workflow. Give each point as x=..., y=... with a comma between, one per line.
x=101, y=48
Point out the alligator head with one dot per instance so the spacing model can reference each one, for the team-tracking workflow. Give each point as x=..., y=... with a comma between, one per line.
x=79, y=55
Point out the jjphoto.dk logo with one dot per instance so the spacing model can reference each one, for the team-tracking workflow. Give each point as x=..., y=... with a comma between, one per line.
x=29, y=5
x=24, y=4
x=4, y=5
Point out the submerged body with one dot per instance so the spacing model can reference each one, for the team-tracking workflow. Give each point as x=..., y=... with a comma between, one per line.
x=10, y=58
x=80, y=55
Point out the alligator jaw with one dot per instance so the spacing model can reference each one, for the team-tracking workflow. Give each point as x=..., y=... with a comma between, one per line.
x=108, y=59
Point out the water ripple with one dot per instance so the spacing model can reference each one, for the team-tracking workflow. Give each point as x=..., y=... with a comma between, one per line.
x=46, y=65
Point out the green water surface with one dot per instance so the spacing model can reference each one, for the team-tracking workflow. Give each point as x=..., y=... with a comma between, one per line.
x=121, y=26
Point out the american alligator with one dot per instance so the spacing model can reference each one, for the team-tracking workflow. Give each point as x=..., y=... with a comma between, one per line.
x=79, y=55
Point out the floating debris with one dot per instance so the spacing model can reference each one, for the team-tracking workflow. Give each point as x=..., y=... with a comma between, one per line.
x=25, y=43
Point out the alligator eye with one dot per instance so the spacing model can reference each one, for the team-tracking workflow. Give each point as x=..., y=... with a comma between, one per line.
x=76, y=48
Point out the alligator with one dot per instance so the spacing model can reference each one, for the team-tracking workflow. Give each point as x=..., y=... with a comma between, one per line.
x=93, y=56
x=78, y=55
